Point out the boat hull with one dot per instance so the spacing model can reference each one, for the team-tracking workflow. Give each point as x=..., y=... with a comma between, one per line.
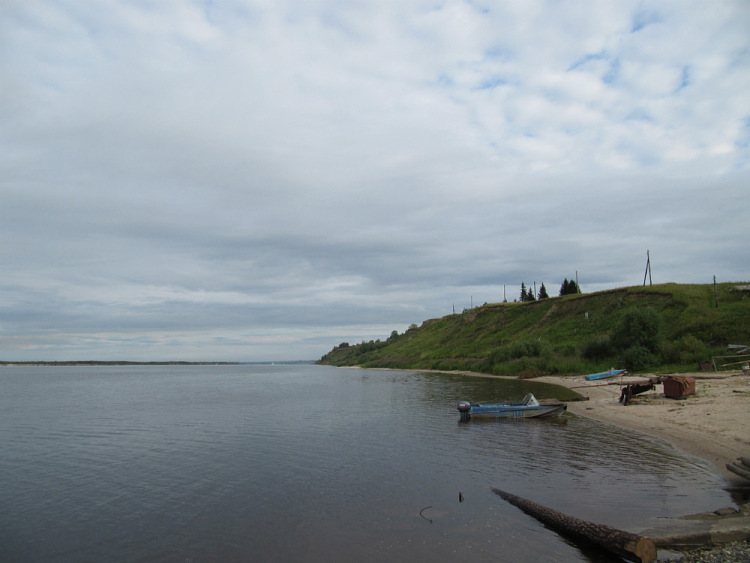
x=517, y=412
x=528, y=408
x=604, y=374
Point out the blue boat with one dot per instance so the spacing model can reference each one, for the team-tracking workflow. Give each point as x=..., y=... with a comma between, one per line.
x=528, y=408
x=611, y=372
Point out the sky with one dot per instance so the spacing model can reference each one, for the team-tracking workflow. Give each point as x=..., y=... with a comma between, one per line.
x=251, y=180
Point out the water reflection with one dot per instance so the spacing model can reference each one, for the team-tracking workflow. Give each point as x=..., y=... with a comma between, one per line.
x=310, y=463
x=489, y=389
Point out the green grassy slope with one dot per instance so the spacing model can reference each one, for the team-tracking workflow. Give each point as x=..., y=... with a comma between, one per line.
x=556, y=335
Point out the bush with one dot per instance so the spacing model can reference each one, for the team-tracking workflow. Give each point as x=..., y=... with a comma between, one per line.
x=567, y=350
x=638, y=328
x=515, y=351
x=525, y=349
x=686, y=350
x=597, y=350
x=637, y=358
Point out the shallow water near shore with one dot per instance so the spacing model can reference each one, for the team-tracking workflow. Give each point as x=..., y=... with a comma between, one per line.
x=310, y=463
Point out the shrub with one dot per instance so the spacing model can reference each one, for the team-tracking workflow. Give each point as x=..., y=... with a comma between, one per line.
x=687, y=349
x=567, y=350
x=498, y=356
x=637, y=358
x=515, y=351
x=640, y=327
x=597, y=349
x=671, y=353
x=525, y=349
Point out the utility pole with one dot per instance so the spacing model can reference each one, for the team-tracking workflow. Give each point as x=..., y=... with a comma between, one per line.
x=648, y=269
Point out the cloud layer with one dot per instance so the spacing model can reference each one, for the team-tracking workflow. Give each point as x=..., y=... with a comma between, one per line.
x=252, y=180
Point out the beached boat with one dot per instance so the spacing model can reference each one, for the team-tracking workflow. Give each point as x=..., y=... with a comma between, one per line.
x=611, y=372
x=530, y=407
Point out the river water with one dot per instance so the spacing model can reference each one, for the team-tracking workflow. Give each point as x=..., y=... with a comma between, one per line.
x=309, y=463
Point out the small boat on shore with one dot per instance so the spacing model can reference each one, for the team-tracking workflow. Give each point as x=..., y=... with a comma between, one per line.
x=611, y=372
x=530, y=407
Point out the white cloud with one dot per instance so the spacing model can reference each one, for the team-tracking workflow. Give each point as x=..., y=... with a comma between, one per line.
x=255, y=167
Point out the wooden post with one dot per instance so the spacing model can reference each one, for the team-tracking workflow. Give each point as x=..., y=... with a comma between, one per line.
x=630, y=546
x=716, y=295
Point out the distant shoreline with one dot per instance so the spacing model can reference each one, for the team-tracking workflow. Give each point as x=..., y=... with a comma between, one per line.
x=115, y=363
x=157, y=363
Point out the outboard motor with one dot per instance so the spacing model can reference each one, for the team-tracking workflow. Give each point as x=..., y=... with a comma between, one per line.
x=464, y=407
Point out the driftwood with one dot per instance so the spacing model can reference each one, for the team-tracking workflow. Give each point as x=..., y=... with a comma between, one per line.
x=630, y=546
x=740, y=470
x=735, y=363
x=740, y=467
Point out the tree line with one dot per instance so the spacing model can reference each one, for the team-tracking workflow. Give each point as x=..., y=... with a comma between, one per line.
x=568, y=287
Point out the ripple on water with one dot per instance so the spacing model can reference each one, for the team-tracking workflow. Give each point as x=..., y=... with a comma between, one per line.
x=307, y=463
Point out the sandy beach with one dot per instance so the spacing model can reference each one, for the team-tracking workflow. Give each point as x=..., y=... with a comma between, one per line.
x=713, y=424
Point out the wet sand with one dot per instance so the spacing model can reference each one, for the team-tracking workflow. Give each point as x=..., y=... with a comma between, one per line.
x=713, y=424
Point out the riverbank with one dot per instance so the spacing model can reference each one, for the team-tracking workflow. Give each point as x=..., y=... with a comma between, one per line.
x=713, y=424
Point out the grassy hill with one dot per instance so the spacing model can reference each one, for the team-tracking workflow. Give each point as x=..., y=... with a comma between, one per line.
x=661, y=328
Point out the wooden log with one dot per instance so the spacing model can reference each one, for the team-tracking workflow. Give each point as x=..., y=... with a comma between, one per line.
x=739, y=469
x=625, y=544
x=735, y=363
x=733, y=356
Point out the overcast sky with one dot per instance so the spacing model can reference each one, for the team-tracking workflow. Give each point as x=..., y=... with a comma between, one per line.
x=264, y=179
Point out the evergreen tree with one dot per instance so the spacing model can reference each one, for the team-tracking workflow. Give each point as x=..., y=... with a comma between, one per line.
x=543, y=292
x=524, y=295
x=569, y=287
x=564, y=287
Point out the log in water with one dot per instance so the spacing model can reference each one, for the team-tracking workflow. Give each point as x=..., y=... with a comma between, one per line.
x=628, y=545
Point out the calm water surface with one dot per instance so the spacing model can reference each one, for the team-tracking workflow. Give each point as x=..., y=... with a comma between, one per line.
x=309, y=463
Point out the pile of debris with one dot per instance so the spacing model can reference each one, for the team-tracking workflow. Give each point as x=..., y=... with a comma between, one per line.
x=675, y=387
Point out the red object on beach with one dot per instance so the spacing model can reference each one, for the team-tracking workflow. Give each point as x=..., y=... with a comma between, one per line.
x=678, y=387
